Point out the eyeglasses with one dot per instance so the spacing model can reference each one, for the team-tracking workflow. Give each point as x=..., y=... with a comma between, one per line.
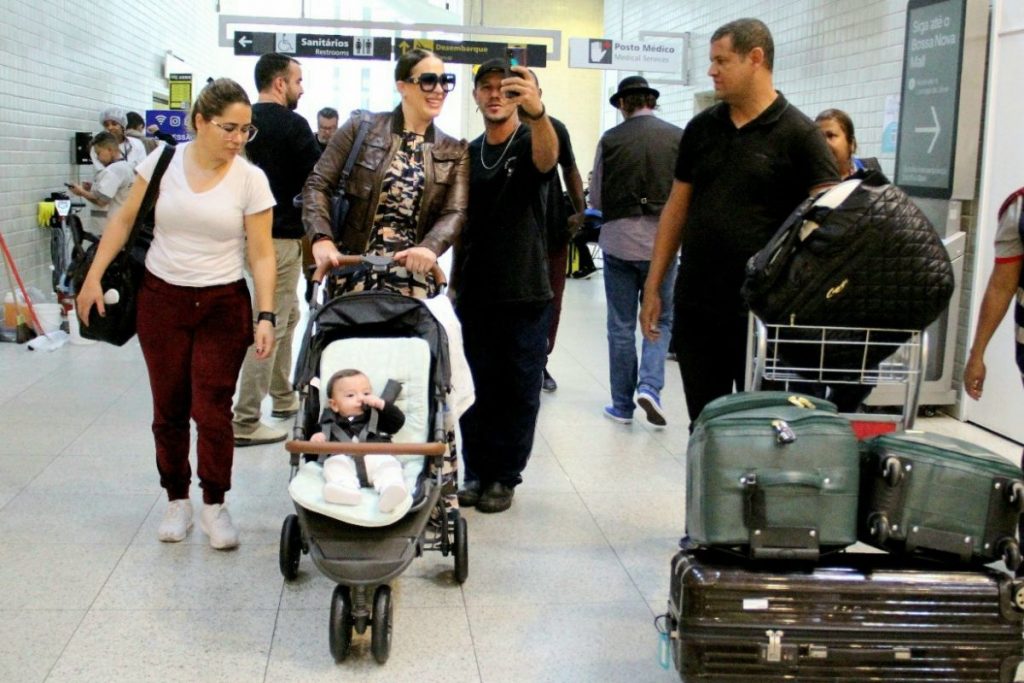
x=429, y=81
x=248, y=131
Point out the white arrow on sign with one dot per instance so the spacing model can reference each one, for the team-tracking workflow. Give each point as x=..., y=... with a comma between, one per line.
x=245, y=41
x=934, y=130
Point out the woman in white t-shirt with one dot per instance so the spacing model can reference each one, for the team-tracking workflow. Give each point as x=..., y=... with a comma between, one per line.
x=194, y=312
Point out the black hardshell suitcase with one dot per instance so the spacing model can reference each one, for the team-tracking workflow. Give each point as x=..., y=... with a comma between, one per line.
x=851, y=617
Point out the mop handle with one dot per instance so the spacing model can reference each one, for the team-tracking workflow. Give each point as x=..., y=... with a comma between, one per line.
x=21, y=285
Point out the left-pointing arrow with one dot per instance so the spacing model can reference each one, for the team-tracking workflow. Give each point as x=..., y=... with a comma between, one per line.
x=245, y=41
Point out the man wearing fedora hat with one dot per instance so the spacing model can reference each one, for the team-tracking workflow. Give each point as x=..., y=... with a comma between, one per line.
x=631, y=181
x=744, y=164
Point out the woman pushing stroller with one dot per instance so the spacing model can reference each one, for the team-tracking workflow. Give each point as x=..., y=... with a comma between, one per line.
x=419, y=187
x=418, y=177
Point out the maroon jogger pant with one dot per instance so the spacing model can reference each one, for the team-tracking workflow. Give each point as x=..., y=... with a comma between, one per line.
x=194, y=341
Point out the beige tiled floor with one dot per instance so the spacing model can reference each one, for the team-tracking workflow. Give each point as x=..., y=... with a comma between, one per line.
x=563, y=587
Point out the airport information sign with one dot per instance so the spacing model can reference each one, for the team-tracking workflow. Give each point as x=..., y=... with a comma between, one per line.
x=930, y=97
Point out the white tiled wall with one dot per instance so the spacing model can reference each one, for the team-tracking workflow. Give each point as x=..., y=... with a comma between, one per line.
x=828, y=53
x=61, y=63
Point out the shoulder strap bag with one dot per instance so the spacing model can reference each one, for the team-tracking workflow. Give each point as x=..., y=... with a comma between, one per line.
x=123, y=276
x=339, y=202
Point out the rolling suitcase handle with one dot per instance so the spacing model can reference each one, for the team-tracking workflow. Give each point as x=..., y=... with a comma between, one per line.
x=778, y=542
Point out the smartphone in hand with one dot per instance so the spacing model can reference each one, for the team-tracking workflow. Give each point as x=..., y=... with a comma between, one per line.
x=515, y=56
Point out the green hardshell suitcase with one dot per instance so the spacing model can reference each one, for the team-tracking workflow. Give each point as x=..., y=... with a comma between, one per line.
x=936, y=495
x=773, y=472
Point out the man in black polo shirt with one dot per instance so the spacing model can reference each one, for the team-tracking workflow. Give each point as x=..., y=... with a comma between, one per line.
x=500, y=279
x=285, y=148
x=744, y=165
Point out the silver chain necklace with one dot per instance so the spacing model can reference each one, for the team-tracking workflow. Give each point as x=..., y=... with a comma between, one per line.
x=507, y=145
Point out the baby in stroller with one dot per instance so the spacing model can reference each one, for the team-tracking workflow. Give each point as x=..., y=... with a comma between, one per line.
x=354, y=413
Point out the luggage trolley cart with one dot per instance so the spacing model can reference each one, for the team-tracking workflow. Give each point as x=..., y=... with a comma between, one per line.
x=903, y=354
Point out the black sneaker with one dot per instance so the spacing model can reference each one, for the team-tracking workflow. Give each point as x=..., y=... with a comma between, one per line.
x=549, y=384
x=469, y=494
x=497, y=498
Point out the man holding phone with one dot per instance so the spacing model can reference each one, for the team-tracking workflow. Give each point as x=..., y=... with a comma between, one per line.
x=500, y=281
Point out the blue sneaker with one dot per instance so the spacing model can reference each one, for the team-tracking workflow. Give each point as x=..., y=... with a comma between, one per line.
x=651, y=405
x=615, y=415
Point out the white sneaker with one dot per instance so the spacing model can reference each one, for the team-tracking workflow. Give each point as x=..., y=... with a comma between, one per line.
x=177, y=521
x=215, y=521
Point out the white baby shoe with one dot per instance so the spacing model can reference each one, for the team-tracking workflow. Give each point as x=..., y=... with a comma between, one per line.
x=391, y=497
x=342, y=495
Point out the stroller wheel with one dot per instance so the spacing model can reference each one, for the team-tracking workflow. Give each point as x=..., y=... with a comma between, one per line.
x=340, y=635
x=461, y=550
x=291, y=547
x=380, y=634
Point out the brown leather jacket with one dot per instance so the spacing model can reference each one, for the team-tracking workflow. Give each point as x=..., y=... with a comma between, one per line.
x=442, y=211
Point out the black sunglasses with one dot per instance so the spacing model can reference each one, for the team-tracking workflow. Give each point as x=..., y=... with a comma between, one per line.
x=429, y=81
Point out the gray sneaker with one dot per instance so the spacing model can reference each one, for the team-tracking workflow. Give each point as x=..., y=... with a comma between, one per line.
x=259, y=436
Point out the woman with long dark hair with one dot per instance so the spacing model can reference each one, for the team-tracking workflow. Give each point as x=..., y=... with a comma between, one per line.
x=409, y=187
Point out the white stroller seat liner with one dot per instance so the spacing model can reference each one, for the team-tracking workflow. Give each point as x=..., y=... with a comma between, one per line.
x=404, y=359
x=307, y=490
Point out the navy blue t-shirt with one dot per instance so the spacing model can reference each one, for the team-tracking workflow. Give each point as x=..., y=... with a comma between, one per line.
x=746, y=181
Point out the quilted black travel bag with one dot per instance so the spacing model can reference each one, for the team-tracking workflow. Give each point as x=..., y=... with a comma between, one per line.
x=860, y=255
x=851, y=617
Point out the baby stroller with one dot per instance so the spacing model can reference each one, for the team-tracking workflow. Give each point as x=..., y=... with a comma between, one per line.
x=388, y=336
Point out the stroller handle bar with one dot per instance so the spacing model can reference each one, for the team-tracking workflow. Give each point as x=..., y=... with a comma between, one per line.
x=360, y=449
x=350, y=260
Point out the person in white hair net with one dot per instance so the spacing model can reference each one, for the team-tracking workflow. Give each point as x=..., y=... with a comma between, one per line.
x=114, y=121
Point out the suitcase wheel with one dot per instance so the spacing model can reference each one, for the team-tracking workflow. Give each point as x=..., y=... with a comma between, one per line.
x=1011, y=554
x=892, y=471
x=878, y=526
x=1015, y=495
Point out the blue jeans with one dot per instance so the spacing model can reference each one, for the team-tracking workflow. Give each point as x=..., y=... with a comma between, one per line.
x=623, y=291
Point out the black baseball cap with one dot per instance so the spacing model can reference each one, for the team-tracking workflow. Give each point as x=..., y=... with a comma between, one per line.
x=490, y=66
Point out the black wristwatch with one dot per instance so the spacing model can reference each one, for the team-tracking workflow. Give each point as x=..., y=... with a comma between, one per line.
x=269, y=316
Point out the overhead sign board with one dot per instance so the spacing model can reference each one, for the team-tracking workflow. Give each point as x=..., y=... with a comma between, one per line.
x=470, y=52
x=312, y=45
x=615, y=55
x=930, y=96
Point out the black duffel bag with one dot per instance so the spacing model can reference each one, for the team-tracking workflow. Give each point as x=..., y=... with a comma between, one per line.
x=123, y=277
x=860, y=255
